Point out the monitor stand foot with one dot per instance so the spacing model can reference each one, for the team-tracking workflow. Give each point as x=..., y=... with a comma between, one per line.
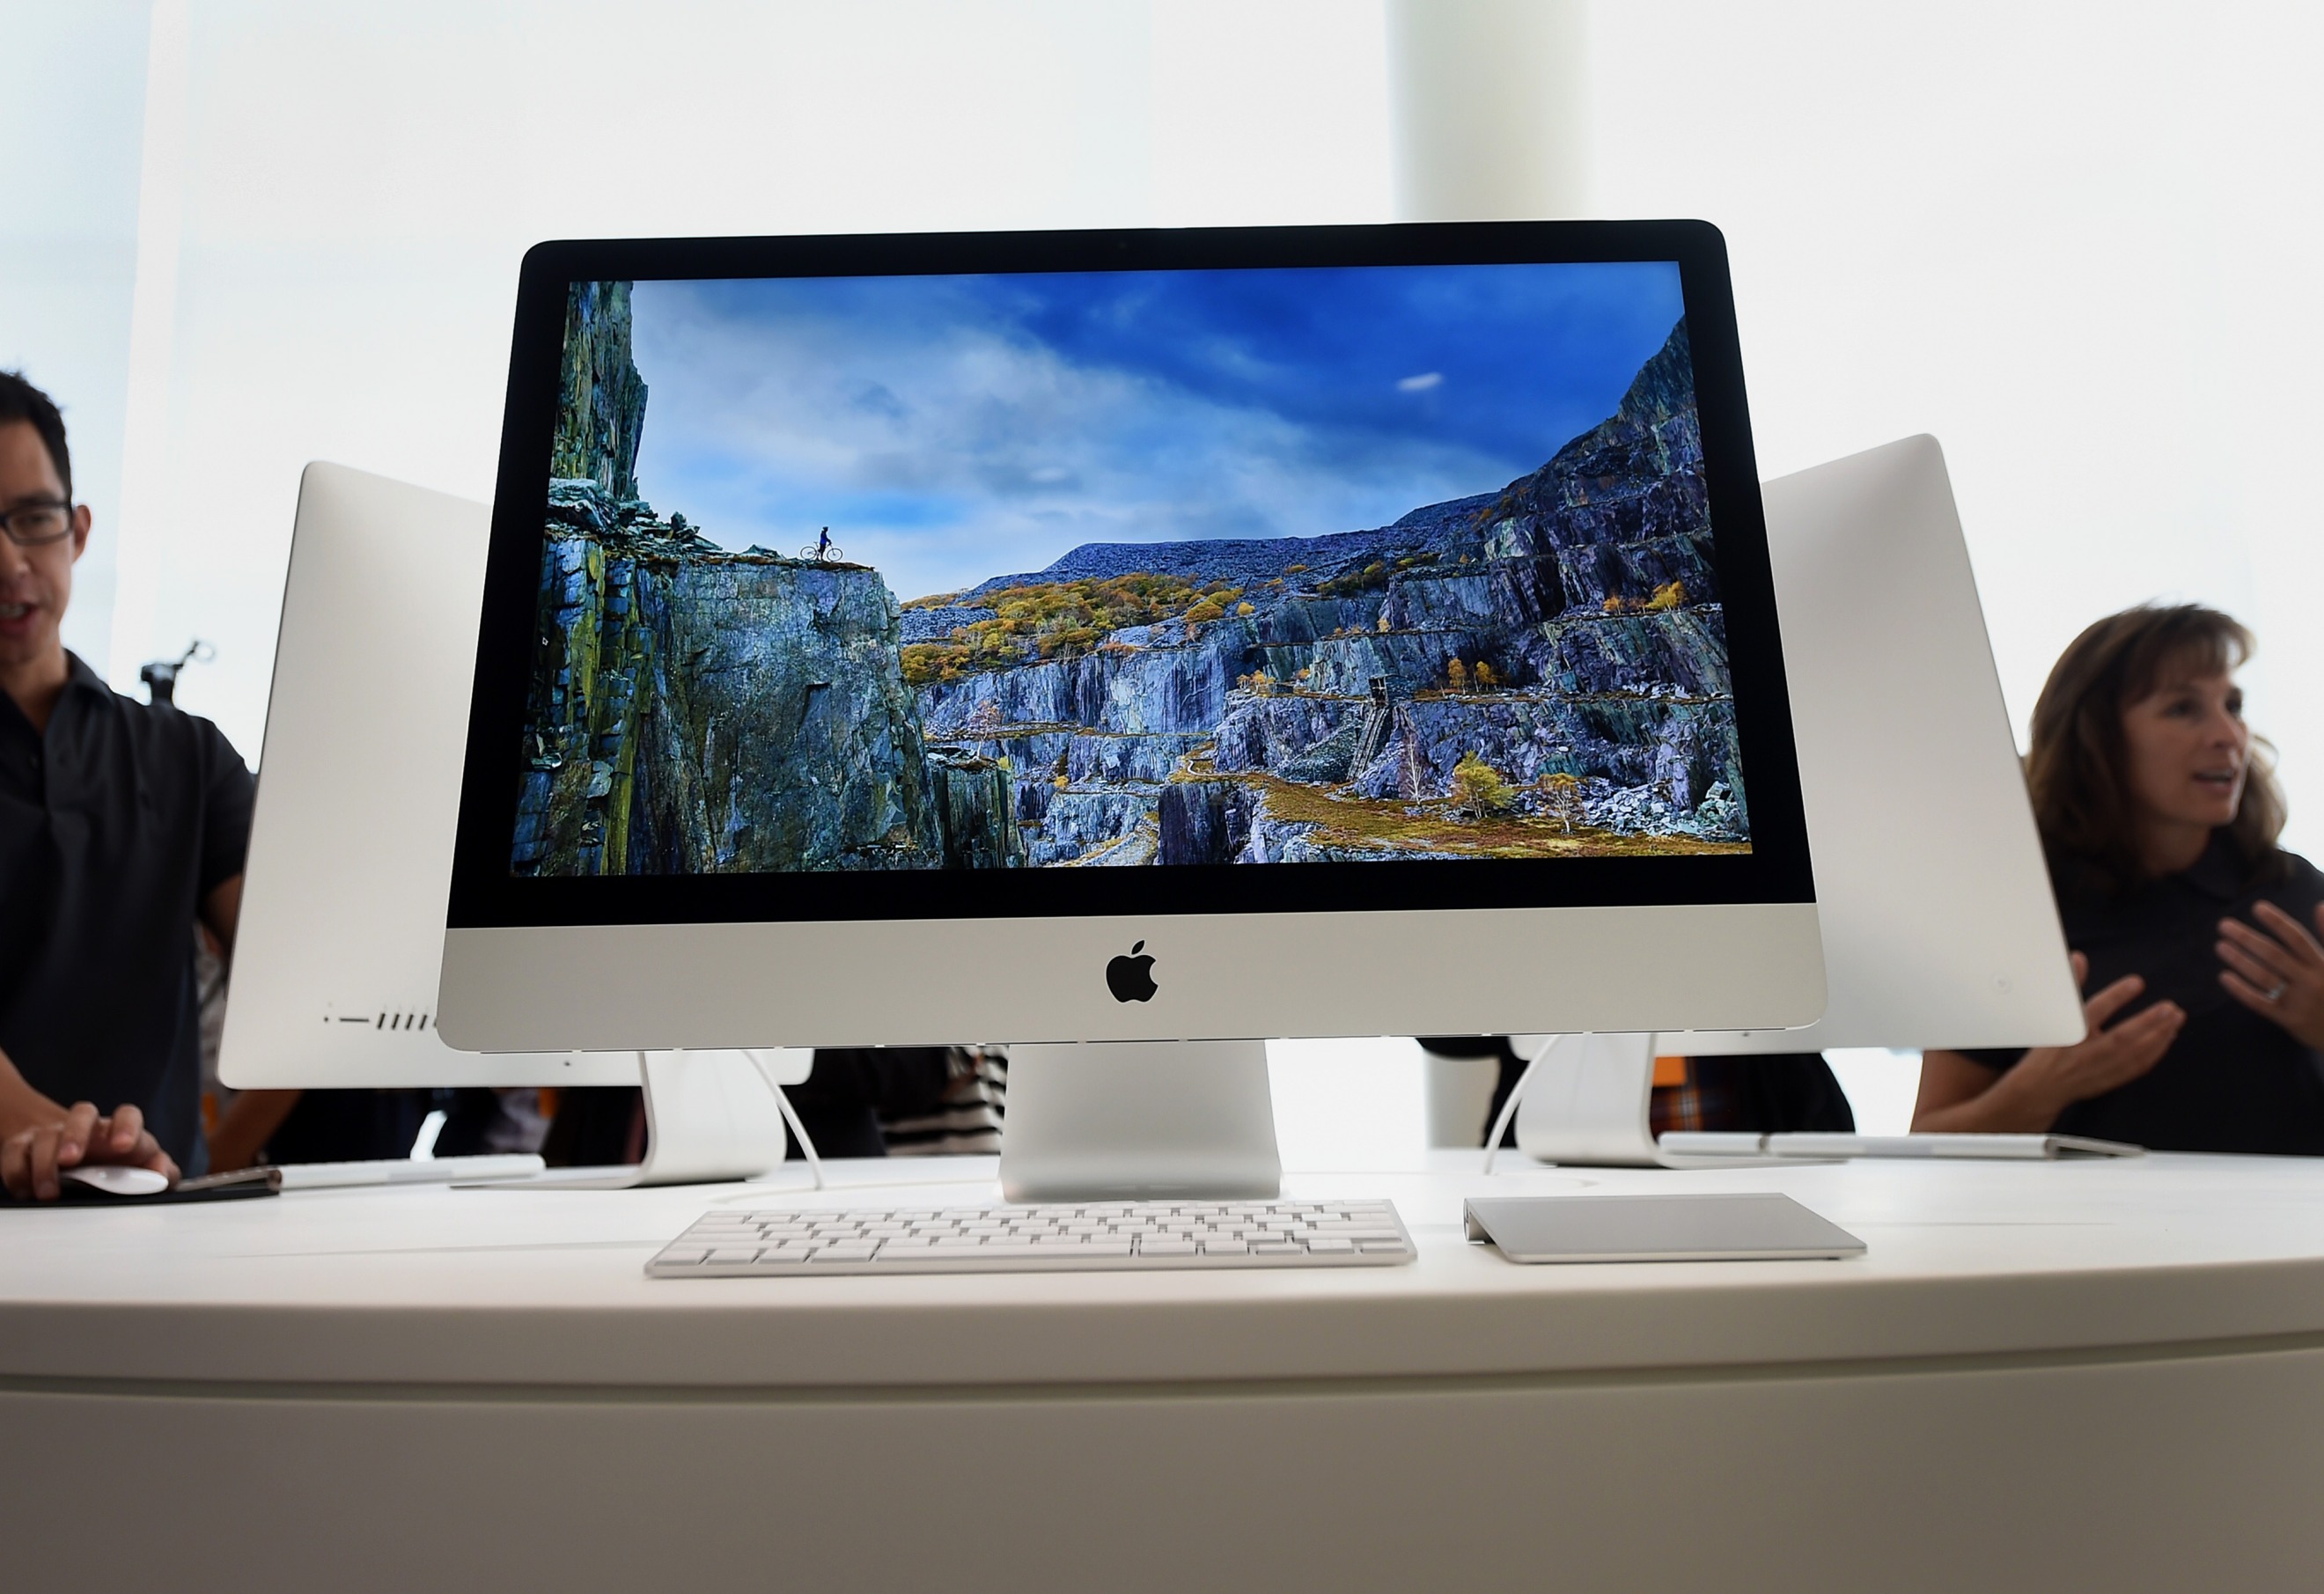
x=1140, y=1120
x=711, y=1117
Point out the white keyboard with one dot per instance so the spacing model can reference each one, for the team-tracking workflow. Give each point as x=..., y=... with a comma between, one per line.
x=1099, y=1236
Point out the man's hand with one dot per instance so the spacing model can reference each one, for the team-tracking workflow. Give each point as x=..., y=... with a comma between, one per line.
x=2277, y=970
x=32, y=1159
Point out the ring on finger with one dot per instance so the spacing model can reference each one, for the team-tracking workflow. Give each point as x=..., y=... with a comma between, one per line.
x=2275, y=992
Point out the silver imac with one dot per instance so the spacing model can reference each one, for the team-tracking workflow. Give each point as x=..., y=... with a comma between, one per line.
x=1122, y=637
x=341, y=932
x=1939, y=927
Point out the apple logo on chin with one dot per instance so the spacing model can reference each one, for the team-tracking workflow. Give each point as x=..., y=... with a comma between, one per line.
x=1130, y=977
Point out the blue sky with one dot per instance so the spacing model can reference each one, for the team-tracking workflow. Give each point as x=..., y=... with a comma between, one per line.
x=951, y=428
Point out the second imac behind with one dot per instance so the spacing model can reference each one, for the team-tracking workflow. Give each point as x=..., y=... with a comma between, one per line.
x=341, y=932
x=1940, y=928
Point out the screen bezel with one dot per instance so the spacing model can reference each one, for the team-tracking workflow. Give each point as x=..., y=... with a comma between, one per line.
x=486, y=894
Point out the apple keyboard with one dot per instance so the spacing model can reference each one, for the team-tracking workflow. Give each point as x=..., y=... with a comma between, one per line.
x=1092, y=1236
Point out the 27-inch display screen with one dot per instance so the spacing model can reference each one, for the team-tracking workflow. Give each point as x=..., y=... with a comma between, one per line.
x=1123, y=569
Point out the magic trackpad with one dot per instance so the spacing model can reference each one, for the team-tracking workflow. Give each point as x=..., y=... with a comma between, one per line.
x=1657, y=1228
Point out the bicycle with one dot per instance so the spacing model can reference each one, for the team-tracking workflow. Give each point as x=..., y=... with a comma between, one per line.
x=822, y=553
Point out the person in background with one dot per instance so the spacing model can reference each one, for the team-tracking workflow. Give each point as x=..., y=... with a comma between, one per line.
x=294, y=1126
x=122, y=824
x=855, y=1102
x=2194, y=931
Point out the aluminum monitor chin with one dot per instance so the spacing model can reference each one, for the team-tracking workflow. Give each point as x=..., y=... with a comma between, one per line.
x=885, y=637
x=1939, y=927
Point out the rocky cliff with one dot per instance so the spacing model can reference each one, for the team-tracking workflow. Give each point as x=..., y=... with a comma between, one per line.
x=693, y=710
x=602, y=414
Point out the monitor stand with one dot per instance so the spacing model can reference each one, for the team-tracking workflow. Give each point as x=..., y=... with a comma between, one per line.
x=1140, y=1120
x=1585, y=1102
x=711, y=1117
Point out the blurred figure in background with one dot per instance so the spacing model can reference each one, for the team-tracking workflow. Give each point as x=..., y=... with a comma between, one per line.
x=122, y=826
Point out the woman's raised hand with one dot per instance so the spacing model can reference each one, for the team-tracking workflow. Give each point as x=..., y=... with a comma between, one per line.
x=2103, y=1058
x=2276, y=970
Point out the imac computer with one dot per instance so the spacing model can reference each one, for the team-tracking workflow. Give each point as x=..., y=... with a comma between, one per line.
x=341, y=930
x=1089, y=639
x=1939, y=925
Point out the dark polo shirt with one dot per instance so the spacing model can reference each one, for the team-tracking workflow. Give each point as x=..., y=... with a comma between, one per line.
x=2233, y=1080
x=114, y=826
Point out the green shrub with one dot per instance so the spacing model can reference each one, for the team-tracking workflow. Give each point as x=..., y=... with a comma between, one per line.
x=1479, y=788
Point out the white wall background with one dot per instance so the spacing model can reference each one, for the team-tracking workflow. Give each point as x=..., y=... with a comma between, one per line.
x=2078, y=242
x=2073, y=241
x=71, y=126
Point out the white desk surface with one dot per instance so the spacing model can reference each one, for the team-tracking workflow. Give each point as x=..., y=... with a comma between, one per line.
x=442, y=1288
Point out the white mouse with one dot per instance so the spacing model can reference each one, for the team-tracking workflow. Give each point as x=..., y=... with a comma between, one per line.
x=115, y=1180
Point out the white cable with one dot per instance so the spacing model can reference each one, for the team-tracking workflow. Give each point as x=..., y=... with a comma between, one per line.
x=1509, y=1108
x=791, y=1114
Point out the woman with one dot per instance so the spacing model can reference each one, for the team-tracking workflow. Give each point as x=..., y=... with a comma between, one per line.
x=2196, y=931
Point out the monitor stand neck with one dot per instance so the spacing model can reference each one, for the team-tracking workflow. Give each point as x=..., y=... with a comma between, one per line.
x=710, y=1117
x=1585, y=1101
x=1139, y=1120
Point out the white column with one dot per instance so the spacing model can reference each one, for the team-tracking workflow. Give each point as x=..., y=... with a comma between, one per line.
x=1489, y=107
x=147, y=487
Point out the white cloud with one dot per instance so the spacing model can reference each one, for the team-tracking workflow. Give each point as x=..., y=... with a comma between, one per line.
x=1422, y=383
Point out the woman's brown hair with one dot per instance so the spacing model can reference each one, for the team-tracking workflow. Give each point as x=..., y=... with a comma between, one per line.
x=2078, y=770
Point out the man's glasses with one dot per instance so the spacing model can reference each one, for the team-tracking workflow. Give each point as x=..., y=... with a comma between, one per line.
x=36, y=525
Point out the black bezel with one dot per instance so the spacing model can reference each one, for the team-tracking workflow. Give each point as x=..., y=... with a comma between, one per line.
x=486, y=894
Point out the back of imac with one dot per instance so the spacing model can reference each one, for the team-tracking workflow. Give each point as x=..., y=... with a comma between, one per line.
x=341, y=933
x=1940, y=926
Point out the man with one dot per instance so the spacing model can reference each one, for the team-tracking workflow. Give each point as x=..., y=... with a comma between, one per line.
x=120, y=825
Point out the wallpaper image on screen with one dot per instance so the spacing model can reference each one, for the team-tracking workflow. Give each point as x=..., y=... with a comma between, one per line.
x=1095, y=570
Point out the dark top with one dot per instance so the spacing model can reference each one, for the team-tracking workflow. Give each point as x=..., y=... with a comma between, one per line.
x=352, y=1126
x=2233, y=1080
x=114, y=826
